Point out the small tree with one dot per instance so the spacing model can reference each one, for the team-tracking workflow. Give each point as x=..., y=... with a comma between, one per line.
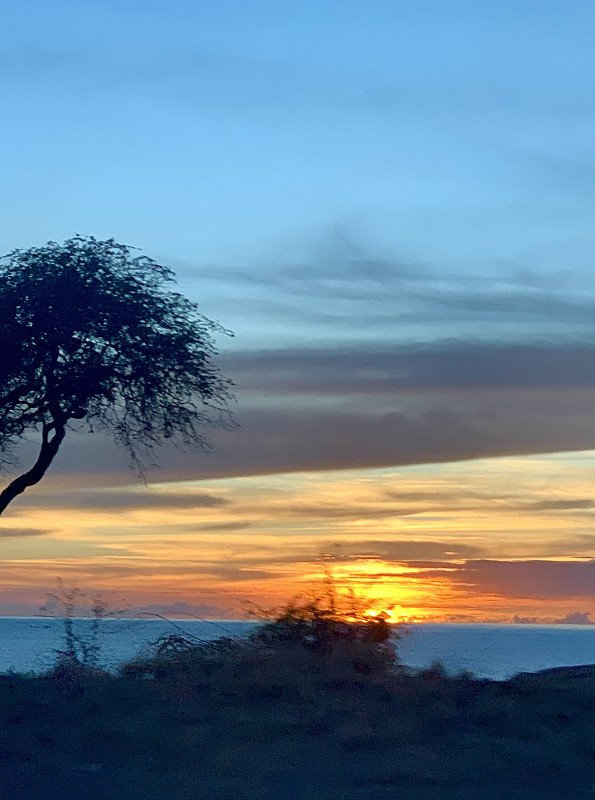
x=81, y=648
x=92, y=332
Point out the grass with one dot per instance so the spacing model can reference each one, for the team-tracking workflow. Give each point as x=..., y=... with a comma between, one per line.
x=309, y=708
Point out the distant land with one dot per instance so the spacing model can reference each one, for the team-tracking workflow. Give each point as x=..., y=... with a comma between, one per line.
x=180, y=609
x=573, y=618
x=172, y=610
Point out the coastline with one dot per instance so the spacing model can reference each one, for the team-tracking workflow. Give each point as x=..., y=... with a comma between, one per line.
x=487, y=650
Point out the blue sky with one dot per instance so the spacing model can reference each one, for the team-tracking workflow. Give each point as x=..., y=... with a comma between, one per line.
x=452, y=133
x=390, y=203
x=453, y=138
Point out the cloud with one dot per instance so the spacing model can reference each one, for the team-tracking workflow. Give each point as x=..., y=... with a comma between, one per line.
x=341, y=511
x=268, y=442
x=183, y=529
x=202, y=79
x=224, y=526
x=559, y=505
x=438, y=367
x=403, y=550
x=429, y=429
x=576, y=618
x=338, y=283
x=366, y=395
x=277, y=440
x=117, y=501
x=240, y=575
x=378, y=400
x=572, y=618
x=517, y=579
x=18, y=533
x=566, y=546
x=532, y=580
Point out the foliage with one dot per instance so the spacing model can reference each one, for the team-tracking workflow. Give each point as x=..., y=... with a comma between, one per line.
x=324, y=620
x=92, y=333
x=314, y=625
x=80, y=650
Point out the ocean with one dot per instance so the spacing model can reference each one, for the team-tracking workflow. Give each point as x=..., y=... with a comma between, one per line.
x=30, y=644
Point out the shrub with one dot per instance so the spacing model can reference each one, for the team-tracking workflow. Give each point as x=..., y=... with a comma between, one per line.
x=330, y=634
x=326, y=621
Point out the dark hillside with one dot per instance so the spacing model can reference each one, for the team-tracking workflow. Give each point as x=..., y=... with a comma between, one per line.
x=289, y=723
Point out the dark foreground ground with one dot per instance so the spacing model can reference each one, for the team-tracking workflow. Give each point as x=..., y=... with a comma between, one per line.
x=291, y=725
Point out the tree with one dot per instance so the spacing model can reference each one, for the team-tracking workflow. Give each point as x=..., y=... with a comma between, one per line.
x=91, y=334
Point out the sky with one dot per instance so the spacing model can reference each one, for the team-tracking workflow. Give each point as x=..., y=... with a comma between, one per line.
x=390, y=204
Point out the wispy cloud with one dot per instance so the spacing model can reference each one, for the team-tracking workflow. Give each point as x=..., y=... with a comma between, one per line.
x=560, y=505
x=18, y=533
x=428, y=430
x=443, y=367
x=517, y=579
x=340, y=282
x=116, y=501
x=404, y=550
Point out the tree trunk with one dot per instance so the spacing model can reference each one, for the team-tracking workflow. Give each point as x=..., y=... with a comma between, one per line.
x=49, y=447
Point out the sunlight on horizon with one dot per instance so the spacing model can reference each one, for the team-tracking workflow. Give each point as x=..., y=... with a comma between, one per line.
x=423, y=540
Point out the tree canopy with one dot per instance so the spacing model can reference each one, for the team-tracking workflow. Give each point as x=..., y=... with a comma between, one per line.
x=92, y=332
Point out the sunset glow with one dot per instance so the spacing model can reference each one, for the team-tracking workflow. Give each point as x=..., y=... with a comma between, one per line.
x=481, y=540
x=396, y=224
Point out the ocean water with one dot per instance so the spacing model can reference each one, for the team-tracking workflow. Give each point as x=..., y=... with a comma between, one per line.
x=498, y=651
x=30, y=644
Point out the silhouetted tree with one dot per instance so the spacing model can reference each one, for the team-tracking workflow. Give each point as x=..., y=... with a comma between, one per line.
x=91, y=331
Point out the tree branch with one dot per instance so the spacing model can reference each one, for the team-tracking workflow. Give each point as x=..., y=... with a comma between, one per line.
x=52, y=436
